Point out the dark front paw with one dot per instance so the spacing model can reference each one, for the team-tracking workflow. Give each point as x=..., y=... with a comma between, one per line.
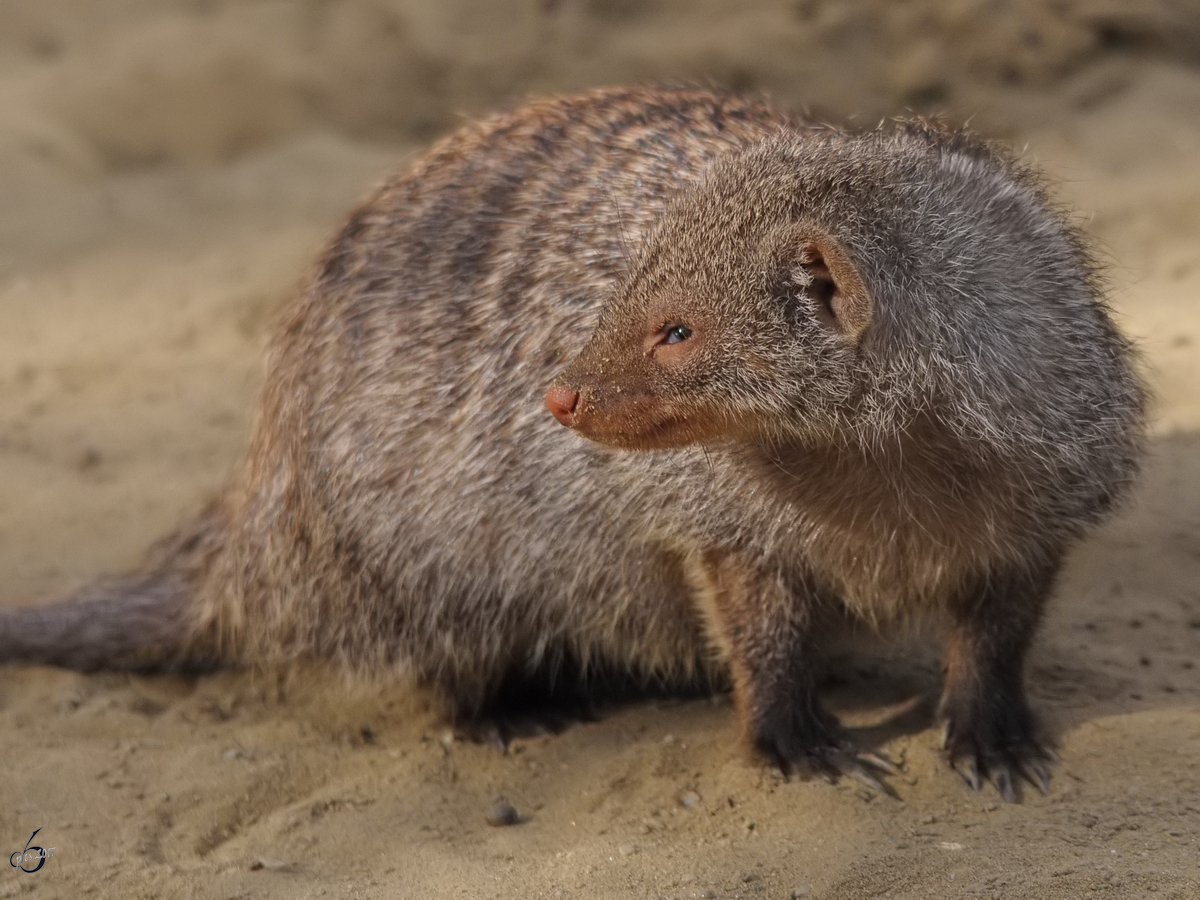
x=821, y=751
x=1003, y=746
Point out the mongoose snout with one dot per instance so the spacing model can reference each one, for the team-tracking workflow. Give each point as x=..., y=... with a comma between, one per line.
x=621, y=412
x=563, y=402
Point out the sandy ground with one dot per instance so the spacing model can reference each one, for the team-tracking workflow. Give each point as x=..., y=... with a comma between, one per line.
x=166, y=171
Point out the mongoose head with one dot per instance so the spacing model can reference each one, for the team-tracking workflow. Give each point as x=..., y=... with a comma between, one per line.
x=740, y=314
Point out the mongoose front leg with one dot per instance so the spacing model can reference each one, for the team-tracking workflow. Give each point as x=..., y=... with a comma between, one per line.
x=762, y=622
x=990, y=730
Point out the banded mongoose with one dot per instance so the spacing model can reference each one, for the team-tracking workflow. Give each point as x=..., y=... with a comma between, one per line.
x=815, y=369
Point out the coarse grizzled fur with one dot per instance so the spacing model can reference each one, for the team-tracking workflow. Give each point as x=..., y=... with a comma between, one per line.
x=819, y=369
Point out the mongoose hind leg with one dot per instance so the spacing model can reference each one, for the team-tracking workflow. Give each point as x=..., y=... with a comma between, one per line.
x=764, y=621
x=990, y=732
x=562, y=692
x=500, y=724
x=525, y=708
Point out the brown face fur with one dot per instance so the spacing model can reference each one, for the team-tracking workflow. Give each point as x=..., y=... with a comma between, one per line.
x=684, y=348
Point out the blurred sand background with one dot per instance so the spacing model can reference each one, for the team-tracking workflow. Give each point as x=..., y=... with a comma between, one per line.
x=167, y=170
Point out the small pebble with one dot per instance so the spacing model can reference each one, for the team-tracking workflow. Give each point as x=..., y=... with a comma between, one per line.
x=502, y=813
x=272, y=865
x=801, y=892
x=627, y=849
x=690, y=799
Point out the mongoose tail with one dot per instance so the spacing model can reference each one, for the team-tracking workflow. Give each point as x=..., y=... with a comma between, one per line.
x=140, y=622
x=131, y=623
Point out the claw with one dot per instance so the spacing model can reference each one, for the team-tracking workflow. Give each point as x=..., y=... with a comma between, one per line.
x=845, y=762
x=1004, y=754
x=866, y=777
x=1002, y=779
x=830, y=763
x=1033, y=771
x=878, y=761
x=864, y=766
x=970, y=774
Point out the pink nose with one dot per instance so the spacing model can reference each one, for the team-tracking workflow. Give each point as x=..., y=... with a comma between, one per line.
x=563, y=402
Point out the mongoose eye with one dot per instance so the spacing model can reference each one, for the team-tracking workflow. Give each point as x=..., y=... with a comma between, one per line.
x=677, y=334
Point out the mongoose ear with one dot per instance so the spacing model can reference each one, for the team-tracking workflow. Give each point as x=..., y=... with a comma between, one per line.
x=823, y=269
